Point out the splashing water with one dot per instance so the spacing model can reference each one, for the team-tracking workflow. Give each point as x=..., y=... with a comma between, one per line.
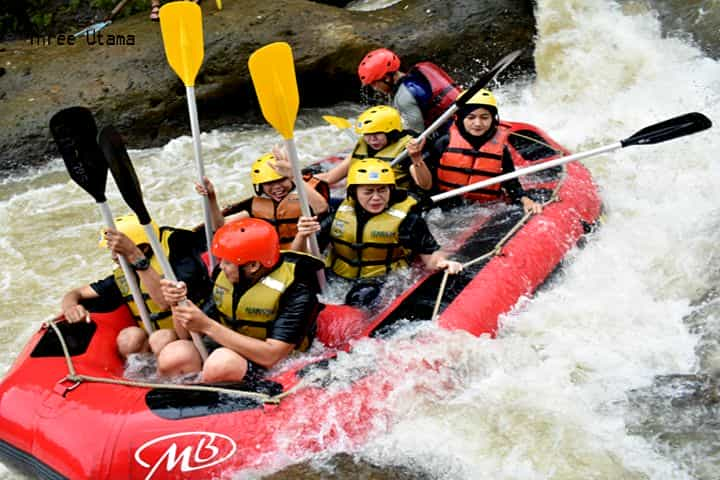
x=549, y=397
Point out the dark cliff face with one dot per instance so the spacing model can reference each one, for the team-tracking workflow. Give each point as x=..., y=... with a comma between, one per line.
x=698, y=20
x=131, y=85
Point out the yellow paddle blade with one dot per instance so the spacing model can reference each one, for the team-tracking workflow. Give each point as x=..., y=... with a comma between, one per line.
x=339, y=122
x=273, y=74
x=181, y=26
x=219, y=4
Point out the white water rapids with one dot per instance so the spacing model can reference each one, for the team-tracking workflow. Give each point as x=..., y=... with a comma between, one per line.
x=547, y=399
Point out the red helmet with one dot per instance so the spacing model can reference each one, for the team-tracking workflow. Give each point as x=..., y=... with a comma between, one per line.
x=377, y=64
x=247, y=240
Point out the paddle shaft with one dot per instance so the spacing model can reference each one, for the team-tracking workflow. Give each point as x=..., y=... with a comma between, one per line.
x=128, y=272
x=481, y=83
x=669, y=129
x=195, y=129
x=440, y=121
x=525, y=171
x=170, y=275
x=304, y=204
x=96, y=27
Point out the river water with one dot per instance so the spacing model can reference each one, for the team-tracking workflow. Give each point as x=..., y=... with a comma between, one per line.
x=606, y=373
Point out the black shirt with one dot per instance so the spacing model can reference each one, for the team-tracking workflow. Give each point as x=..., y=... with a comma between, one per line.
x=185, y=249
x=298, y=307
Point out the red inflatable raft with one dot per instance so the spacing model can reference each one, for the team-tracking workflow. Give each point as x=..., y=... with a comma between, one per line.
x=60, y=419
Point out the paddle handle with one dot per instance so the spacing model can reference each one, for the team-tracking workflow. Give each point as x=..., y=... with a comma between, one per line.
x=117, y=9
x=439, y=122
x=200, y=167
x=128, y=272
x=304, y=204
x=170, y=275
x=525, y=171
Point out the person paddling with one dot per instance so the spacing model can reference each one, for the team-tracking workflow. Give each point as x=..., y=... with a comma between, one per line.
x=475, y=149
x=276, y=199
x=263, y=306
x=421, y=95
x=183, y=248
x=383, y=138
x=375, y=231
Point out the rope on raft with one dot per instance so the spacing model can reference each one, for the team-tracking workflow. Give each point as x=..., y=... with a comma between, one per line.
x=77, y=379
x=496, y=250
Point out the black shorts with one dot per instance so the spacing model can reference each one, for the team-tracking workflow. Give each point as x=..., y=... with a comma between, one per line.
x=254, y=371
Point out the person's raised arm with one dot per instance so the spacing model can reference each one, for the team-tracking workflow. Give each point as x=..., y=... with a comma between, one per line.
x=337, y=173
x=419, y=170
x=209, y=190
x=120, y=244
x=307, y=226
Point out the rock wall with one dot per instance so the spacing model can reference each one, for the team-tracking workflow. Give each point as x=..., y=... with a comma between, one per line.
x=132, y=86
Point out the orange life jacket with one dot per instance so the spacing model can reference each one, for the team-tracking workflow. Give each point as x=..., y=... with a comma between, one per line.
x=444, y=90
x=284, y=215
x=461, y=164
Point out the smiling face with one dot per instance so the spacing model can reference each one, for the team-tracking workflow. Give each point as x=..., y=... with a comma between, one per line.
x=478, y=122
x=377, y=141
x=373, y=198
x=278, y=189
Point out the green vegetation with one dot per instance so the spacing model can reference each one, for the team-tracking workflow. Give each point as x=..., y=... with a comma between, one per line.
x=21, y=20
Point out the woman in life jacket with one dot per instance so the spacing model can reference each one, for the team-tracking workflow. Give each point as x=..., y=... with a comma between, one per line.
x=374, y=231
x=383, y=137
x=421, y=95
x=475, y=149
x=276, y=199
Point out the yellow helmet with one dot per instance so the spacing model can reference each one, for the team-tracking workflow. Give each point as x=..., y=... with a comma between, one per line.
x=262, y=172
x=483, y=97
x=370, y=171
x=130, y=226
x=379, y=119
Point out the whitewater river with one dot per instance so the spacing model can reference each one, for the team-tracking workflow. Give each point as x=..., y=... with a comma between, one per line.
x=577, y=384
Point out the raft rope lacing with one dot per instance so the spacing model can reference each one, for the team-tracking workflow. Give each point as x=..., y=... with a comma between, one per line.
x=73, y=376
x=497, y=249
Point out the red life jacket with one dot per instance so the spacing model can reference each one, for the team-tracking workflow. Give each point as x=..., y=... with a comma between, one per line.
x=284, y=215
x=462, y=165
x=444, y=90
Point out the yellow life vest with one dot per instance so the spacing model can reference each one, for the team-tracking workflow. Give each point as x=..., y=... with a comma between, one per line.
x=402, y=173
x=378, y=251
x=158, y=317
x=258, y=307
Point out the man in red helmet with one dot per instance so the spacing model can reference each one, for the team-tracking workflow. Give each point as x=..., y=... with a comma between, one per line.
x=263, y=305
x=421, y=95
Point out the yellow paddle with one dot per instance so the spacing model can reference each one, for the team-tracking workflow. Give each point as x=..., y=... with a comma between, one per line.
x=273, y=74
x=339, y=122
x=182, y=34
x=219, y=4
x=342, y=124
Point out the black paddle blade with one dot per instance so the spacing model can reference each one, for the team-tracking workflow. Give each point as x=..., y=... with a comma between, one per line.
x=74, y=131
x=487, y=77
x=123, y=171
x=675, y=127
